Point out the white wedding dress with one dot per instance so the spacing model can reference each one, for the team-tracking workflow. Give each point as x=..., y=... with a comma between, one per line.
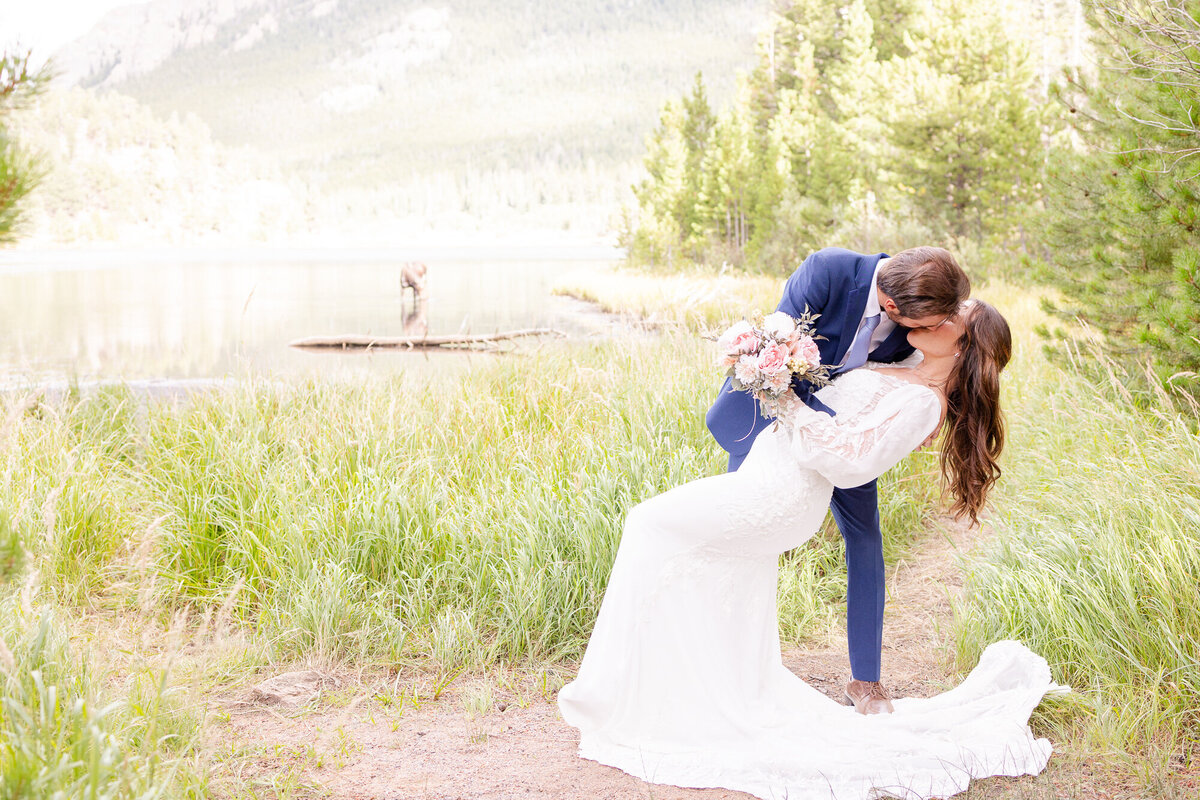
x=683, y=681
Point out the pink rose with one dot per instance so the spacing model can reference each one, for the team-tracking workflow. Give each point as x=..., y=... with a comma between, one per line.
x=745, y=343
x=739, y=339
x=773, y=359
x=806, y=350
x=732, y=331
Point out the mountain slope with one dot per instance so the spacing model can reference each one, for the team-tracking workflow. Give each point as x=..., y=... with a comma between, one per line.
x=467, y=102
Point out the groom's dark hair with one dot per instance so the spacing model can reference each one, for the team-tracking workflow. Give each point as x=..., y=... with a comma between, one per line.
x=924, y=282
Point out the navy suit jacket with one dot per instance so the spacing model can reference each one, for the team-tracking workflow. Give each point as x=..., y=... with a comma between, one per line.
x=835, y=284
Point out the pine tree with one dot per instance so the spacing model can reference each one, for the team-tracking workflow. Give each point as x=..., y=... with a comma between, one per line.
x=670, y=198
x=697, y=130
x=892, y=20
x=819, y=128
x=964, y=134
x=1123, y=243
x=657, y=235
x=855, y=109
x=19, y=171
x=726, y=200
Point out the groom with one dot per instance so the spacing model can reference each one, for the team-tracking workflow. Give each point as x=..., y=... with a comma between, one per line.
x=867, y=305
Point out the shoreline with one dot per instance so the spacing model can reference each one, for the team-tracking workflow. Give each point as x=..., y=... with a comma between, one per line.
x=593, y=321
x=104, y=256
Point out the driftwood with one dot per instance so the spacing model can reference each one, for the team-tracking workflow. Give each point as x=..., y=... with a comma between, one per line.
x=379, y=342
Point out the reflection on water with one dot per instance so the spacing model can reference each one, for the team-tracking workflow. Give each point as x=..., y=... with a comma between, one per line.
x=191, y=318
x=416, y=319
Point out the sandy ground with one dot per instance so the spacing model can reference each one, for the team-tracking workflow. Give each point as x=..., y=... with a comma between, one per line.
x=501, y=738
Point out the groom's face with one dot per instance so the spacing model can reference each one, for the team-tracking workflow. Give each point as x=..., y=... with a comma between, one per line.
x=925, y=323
x=929, y=323
x=941, y=338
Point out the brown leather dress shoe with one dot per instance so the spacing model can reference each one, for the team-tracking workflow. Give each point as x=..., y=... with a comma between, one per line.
x=869, y=697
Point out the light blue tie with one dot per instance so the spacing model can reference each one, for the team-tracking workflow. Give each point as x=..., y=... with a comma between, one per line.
x=856, y=356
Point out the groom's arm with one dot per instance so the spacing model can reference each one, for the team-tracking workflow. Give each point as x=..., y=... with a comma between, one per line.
x=808, y=290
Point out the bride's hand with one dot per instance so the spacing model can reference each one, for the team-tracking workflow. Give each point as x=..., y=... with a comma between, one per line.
x=790, y=406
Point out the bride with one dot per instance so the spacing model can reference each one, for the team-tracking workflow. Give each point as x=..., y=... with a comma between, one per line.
x=683, y=682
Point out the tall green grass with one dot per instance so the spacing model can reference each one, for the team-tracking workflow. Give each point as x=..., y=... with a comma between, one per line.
x=1096, y=558
x=62, y=735
x=463, y=523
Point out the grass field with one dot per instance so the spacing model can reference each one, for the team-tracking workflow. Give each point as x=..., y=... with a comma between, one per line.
x=154, y=553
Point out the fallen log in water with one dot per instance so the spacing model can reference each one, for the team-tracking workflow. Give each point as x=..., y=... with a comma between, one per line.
x=348, y=341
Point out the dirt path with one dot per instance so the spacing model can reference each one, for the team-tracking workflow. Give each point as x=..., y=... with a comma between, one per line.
x=917, y=622
x=502, y=738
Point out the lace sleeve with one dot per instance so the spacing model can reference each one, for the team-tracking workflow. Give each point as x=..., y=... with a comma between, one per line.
x=852, y=449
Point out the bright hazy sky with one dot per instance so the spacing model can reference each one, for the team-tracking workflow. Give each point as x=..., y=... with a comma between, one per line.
x=46, y=25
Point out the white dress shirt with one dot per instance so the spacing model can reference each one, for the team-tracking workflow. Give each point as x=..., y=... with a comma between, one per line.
x=886, y=326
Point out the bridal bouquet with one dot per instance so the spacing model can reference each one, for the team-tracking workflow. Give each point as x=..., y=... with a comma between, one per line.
x=762, y=359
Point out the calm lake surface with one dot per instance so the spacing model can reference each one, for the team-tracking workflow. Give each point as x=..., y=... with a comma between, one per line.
x=179, y=315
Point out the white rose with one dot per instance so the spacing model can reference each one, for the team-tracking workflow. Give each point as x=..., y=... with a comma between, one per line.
x=779, y=325
x=746, y=370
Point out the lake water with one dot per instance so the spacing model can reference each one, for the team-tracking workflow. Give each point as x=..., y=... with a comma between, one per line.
x=182, y=316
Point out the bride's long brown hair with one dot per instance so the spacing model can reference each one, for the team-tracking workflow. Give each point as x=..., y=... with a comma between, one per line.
x=974, y=424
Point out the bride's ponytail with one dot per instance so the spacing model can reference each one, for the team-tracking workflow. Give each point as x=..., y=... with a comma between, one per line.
x=974, y=424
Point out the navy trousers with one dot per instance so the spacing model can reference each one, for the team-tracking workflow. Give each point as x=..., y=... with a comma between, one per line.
x=856, y=512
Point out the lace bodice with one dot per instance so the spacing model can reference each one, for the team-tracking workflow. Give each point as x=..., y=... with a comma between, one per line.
x=880, y=419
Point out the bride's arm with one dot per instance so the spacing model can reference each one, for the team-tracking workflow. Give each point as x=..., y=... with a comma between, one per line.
x=852, y=449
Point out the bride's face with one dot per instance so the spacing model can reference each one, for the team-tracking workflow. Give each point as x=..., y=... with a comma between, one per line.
x=941, y=340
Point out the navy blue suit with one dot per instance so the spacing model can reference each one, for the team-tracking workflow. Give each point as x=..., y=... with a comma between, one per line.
x=834, y=283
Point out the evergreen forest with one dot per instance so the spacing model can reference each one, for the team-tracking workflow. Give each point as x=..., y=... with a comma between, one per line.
x=877, y=126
